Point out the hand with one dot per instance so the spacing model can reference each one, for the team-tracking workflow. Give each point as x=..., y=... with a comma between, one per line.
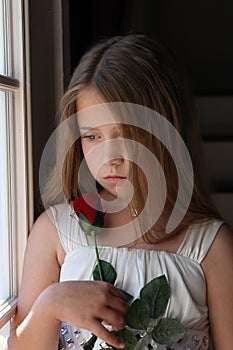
x=88, y=304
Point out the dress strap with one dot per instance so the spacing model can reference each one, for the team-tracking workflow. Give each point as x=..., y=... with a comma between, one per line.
x=198, y=240
x=68, y=228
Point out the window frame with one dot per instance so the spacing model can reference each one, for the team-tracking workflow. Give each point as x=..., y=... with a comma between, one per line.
x=18, y=81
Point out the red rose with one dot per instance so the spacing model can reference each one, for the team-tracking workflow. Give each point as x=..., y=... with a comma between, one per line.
x=88, y=209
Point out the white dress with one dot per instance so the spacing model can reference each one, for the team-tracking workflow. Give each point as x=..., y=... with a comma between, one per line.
x=137, y=267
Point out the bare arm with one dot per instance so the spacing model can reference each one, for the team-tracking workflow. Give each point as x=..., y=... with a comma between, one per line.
x=41, y=269
x=41, y=265
x=218, y=269
x=43, y=302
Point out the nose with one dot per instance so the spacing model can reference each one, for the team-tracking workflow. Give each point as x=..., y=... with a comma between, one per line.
x=113, y=152
x=115, y=161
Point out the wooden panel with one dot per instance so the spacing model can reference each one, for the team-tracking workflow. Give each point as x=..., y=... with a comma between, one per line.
x=224, y=203
x=216, y=116
x=219, y=160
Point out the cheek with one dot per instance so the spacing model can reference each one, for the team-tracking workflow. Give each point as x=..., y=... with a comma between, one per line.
x=92, y=166
x=128, y=166
x=93, y=159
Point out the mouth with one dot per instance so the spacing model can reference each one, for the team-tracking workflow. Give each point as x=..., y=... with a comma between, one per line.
x=114, y=179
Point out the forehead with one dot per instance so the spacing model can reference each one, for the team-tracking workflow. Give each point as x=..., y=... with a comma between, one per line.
x=88, y=98
x=93, y=111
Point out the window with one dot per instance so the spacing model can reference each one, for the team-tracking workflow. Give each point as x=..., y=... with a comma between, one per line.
x=15, y=156
x=7, y=250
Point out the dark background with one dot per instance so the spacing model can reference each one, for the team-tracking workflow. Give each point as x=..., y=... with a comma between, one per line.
x=199, y=32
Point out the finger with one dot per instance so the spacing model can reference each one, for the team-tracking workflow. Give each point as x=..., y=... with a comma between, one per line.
x=119, y=305
x=114, y=318
x=115, y=299
x=102, y=333
x=116, y=292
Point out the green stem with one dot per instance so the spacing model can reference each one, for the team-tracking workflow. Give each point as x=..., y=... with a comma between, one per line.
x=98, y=258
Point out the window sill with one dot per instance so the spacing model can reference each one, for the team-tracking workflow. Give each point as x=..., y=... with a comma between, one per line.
x=7, y=311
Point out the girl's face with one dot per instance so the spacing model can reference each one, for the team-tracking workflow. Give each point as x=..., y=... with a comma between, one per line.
x=102, y=144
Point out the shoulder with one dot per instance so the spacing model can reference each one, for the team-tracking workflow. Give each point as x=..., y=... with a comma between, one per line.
x=218, y=270
x=44, y=227
x=218, y=262
x=44, y=237
x=221, y=249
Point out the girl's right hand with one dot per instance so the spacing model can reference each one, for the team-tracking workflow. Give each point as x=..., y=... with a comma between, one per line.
x=86, y=304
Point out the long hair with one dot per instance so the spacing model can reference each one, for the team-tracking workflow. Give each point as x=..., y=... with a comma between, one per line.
x=138, y=70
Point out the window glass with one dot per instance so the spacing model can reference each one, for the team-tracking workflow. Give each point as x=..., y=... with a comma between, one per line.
x=15, y=154
x=6, y=225
x=5, y=330
x=4, y=38
x=1, y=39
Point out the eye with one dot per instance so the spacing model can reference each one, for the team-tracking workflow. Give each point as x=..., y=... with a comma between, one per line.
x=91, y=137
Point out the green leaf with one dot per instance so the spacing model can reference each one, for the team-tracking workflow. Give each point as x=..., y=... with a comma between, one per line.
x=98, y=219
x=90, y=343
x=108, y=272
x=168, y=331
x=138, y=315
x=128, y=337
x=128, y=297
x=156, y=293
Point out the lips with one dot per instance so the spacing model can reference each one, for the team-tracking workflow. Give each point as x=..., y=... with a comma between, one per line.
x=114, y=179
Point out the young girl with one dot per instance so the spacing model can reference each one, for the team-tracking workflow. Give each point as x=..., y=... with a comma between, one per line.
x=142, y=77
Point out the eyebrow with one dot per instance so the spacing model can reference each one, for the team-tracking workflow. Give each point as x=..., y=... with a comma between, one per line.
x=85, y=128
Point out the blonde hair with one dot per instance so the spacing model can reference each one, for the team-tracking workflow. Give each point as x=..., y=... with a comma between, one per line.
x=138, y=70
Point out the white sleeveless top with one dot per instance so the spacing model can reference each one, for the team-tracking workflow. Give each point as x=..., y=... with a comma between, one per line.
x=137, y=267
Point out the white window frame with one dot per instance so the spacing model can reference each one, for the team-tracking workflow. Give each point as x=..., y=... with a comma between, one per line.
x=19, y=83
